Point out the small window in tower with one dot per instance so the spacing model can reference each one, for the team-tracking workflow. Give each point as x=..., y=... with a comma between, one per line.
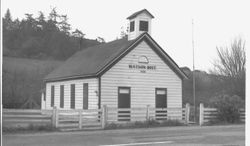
x=143, y=25
x=132, y=26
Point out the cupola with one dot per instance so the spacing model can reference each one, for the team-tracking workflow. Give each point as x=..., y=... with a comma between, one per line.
x=139, y=22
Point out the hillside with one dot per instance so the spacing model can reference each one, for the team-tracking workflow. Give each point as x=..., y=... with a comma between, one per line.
x=43, y=37
x=206, y=85
x=23, y=79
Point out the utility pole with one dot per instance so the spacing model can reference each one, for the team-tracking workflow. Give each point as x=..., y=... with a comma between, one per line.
x=193, y=71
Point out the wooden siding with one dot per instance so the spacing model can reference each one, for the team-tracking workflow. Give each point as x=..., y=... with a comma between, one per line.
x=93, y=90
x=142, y=84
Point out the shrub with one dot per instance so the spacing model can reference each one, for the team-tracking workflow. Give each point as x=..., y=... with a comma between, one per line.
x=152, y=122
x=172, y=123
x=29, y=128
x=144, y=124
x=111, y=126
x=228, y=107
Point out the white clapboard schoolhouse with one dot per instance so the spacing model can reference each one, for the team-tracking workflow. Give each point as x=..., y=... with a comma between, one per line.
x=126, y=73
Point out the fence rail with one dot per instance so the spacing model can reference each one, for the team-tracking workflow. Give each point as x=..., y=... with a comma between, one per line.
x=25, y=117
x=92, y=118
x=210, y=114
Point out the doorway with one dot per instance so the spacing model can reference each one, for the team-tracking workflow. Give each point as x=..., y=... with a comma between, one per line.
x=161, y=103
x=124, y=98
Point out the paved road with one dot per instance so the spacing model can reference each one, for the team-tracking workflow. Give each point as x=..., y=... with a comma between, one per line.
x=212, y=135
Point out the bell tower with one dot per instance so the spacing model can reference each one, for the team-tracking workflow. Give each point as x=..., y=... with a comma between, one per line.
x=139, y=22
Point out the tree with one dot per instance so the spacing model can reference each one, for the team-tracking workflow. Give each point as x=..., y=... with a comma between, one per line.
x=78, y=34
x=100, y=39
x=41, y=20
x=124, y=33
x=228, y=107
x=64, y=25
x=53, y=15
x=231, y=66
x=42, y=37
x=7, y=20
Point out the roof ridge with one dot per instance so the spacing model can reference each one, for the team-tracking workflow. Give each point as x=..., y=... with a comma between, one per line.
x=138, y=12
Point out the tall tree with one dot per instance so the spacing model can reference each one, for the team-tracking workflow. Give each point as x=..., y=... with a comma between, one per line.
x=41, y=20
x=7, y=20
x=64, y=25
x=53, y=15
x=231, y=65
x=124, y=33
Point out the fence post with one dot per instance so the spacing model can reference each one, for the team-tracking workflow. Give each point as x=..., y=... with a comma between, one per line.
x=201, y=114
x=187, y=112
x=55, y=117
x=80, y=119
x=147, y=113
x=104, y=116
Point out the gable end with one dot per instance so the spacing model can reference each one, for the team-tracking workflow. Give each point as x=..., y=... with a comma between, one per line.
x=151, y=43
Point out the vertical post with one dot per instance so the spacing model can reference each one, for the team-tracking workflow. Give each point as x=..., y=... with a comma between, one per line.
x=187, y=112
x=42, y=101
x=80, y=119
x=201, y=114
x=104, y=116
x=147, y=113
x=55, y=117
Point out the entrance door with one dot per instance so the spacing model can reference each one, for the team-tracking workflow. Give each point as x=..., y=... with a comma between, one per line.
x=123, y=102
x=161, y=103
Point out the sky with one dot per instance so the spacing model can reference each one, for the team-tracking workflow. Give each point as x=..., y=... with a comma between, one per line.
x=216, y=23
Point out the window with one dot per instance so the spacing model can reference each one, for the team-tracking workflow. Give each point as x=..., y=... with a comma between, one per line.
x=143, y=25
x=85, y=95
x=72, y=96
x=132, y=26
x=52, y=95
x=61, y=96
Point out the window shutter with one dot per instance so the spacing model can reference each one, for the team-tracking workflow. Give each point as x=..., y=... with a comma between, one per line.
x=52, y=95
x=62, y=96
x=85, y=95
x=72, y=96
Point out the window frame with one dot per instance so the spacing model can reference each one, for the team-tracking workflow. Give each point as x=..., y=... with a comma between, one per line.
x=142, y=26
x=132, y=29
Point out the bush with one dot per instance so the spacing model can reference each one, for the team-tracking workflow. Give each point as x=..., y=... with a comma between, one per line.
x=29, y=128
x=144, y=124
x=172, y=123
x=228, y=107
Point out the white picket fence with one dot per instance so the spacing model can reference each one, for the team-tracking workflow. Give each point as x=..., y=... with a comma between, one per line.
x=210, y=114
x=92, y=118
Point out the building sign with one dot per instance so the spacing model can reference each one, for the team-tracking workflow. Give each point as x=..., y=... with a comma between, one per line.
x=142, y=65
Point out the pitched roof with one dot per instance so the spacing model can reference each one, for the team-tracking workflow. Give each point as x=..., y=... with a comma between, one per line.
x=89, y=61
x=96, y=60
x=139, y=12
